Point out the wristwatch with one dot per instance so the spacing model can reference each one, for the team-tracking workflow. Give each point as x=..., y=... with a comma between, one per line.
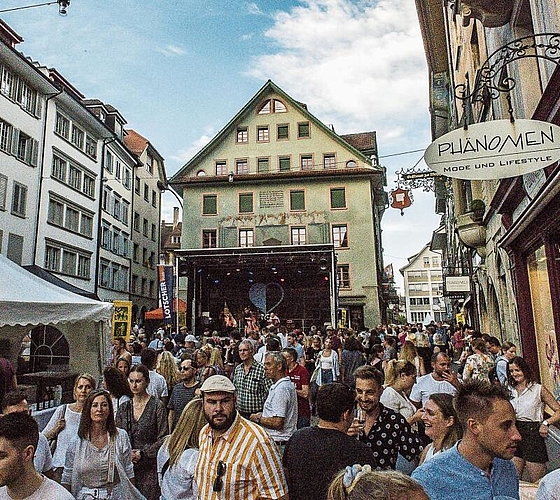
x=545, y=423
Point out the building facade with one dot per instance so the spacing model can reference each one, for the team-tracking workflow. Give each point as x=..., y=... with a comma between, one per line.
x=149, y=182
x=500, y=233
x=287, y=195
x=423, y=287
x=69, y=183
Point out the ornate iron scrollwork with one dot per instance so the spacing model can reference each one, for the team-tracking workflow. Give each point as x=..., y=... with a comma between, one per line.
x=493, y=79
x=412, y=178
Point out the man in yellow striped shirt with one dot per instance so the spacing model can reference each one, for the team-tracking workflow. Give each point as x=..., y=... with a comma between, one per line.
x=237, y=460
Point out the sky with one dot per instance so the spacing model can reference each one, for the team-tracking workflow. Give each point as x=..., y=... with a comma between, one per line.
x=179, y=70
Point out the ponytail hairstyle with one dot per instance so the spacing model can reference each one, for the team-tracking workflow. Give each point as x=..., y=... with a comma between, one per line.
x=395, y=368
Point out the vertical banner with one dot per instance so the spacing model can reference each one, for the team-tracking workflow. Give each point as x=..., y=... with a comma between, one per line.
x=122, y=319
x=165, y=279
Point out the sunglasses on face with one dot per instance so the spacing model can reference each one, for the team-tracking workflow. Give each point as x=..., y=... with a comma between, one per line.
x=218, y=482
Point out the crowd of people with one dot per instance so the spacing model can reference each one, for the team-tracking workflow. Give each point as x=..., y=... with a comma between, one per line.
x=393, y=412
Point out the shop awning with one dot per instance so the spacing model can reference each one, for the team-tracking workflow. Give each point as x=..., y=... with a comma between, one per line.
x=158, y=313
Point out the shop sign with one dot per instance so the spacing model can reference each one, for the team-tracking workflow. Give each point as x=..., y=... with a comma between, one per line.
x=454, y=284
x=122, y=319
x=495, y=150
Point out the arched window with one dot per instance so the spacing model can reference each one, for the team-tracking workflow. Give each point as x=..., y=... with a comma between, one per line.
x=272, y=106
x=49, y=349
x=201, y=173
x=265, y=109
x=279, y=106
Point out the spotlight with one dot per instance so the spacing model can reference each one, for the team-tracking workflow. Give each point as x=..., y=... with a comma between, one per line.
x=230, y=177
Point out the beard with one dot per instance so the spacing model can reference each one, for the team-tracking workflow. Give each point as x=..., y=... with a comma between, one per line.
x=221, y=425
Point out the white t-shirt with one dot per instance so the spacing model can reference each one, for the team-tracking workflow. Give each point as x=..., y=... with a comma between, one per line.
x=178, y=482
x=157, y=386
x=49, y=490
x=282, y=402
x=427, y=385
x=43, y=456
x=397, y=402
x=549, y=487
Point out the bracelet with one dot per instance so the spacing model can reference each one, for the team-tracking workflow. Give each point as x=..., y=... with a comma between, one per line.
x=545, y=423
x=259, y=419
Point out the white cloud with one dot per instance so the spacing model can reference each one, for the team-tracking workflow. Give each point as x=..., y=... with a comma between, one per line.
x=172, y=50
x=254, y=9
x=184, y=155
x=359, y=65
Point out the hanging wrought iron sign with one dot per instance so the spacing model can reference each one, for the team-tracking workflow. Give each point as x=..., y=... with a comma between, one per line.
x=495, y=150
x=401, y=199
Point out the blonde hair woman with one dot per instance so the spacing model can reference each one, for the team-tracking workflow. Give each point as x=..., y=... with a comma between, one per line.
x=167, y=368
x=361, y=483
x=177, y=456
x=65, y=420
x=216, y=360
x=409, y=353
x=400, y=376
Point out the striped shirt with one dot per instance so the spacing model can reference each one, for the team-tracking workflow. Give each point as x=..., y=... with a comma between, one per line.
x=253, y=465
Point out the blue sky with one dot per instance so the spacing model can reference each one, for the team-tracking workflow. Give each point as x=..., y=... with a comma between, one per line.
x=179, y=70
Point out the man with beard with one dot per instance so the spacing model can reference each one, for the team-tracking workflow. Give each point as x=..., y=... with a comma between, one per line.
x=479, y=466
x=386, y=432
x=19, y=435
x=442, y=379
x=237, y=458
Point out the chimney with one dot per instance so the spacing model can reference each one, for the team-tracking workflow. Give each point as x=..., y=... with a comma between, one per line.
x=175, y=216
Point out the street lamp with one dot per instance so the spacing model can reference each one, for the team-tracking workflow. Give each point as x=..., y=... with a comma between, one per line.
x=63, y=7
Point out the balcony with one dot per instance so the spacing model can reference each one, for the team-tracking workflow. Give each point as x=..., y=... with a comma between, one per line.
x=472, y=232
x=491, y=13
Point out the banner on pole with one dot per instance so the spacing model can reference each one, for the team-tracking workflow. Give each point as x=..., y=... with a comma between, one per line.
x=166, y=282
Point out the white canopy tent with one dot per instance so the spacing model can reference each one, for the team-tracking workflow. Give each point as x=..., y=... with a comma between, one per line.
x=27, y=301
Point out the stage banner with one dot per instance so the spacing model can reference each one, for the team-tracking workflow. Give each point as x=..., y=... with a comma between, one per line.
x=166, y=283
x=122, y=319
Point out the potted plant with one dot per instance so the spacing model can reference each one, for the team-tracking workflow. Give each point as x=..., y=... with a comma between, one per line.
x=478, y=208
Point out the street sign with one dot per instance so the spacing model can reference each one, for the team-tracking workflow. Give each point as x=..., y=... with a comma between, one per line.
x=495, y=150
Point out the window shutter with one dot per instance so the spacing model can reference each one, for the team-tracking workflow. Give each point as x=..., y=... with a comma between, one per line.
x=15, y=141
x=3, y=191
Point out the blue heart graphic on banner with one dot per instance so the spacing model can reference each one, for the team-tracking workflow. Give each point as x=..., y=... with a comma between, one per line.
x=266, y=296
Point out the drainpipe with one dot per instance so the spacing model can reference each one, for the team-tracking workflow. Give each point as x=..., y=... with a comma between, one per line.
x=41, y=171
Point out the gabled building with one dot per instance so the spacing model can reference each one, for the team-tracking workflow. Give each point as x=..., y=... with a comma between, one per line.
x=282, y=213
x=170, y=238
x=115, y=207
x=423, y=287
x=149, y=182
x=24, y=93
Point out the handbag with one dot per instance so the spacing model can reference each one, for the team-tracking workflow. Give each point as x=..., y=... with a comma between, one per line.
x=315, y=374
x=54, y=441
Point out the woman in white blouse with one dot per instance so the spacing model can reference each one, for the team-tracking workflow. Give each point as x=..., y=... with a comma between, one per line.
x=327, y=361
x=176, y=459
x=65, y=420
x=400, y=376
x=529, y=400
